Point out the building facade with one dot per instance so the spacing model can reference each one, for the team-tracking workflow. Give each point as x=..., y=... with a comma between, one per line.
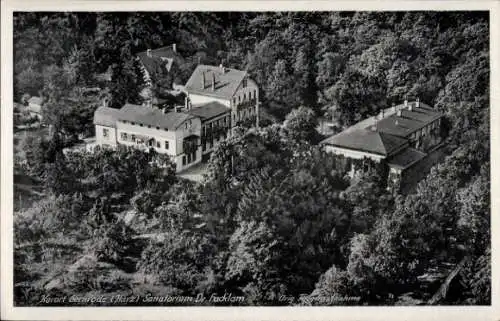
x=189, y=133
x=229, y=87
x=400, y=137
x=176, y=134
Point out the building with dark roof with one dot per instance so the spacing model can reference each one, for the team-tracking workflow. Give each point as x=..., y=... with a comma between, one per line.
x=217, y=100
x=228, y=86
x=399, y=137
x=161, y=65
x=174, y=133
x=214, y=87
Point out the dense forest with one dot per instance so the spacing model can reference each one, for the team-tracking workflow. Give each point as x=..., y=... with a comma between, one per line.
x=275, y=217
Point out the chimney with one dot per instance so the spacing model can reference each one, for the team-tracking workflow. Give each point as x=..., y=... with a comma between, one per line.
x=397, y=122
x=406, y=102
x=399, y=113
x=410, y=107
x=174, y=47
x=203, y=82
x=213, y=81
x=149, y=52
x=417, y=104
x=105, y=102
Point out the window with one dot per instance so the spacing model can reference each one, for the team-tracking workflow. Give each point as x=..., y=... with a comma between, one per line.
x=133, y=138
x=165, y=129
x=132, y=123
x=151, y=142
x=186, y=125
x=166, y=144
x=234, y=101
x=244, y=96
x=244, y=83
x=158, y=128
x=142, y=125
x=124, y=136
x=255, y=94
x=184, y=160
x=149, y=126
x=105, y=132
x=250, y=95
x=239, y=99
x=158, y=145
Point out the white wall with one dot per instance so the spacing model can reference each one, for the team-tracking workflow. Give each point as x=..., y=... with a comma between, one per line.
x=352, y=153
x=100, y=139
x=159, y=134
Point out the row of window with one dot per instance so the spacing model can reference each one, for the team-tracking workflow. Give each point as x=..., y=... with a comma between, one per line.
x=222, y=122
x=244, y=114
x=209, y=143
x=425, y=130
x=243, y=98
x=187, y=125
x=151, y=142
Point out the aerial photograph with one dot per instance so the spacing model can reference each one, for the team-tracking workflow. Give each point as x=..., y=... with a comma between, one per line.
x=251, y=158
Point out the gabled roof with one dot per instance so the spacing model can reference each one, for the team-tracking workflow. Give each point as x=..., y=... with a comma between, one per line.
x=227, y=81
x=35, y=100
x=367, y=141
x=106, y=116
x=152, y=116
x=409, y=121
x=160, y=58
x=209, y=110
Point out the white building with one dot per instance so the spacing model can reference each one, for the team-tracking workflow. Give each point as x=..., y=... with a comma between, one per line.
x=217, y=99
x=227, y=86
x=176, y=134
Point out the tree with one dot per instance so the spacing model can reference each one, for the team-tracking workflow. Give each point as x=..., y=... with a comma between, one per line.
x=279, y=92
x=300, y=125
x=352, y=92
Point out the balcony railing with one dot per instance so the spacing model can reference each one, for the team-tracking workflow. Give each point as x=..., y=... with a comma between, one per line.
x=245, y=104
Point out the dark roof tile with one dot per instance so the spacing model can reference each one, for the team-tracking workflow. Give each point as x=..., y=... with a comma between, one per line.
x=368, y=141
x=209, y=110
x=152, y=116
x=406, y=158
x=409, y=121
x=226, y=82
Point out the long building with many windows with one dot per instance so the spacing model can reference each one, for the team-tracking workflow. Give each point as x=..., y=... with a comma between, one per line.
x=401, y=137
x=189, y=133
